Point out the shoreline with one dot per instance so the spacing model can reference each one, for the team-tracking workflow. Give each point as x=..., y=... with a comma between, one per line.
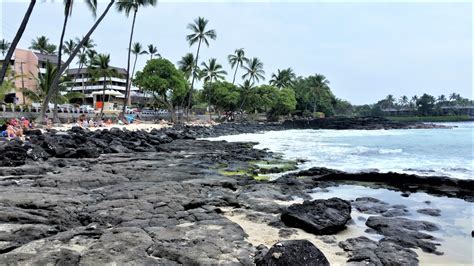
x=163, y=194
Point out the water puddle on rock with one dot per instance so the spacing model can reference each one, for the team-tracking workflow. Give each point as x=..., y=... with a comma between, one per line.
x=455, y=221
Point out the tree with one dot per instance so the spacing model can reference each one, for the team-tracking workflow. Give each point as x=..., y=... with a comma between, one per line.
x=152, y=50
x=390, y=100
x=261, y=98
x=236, y=60
x=4, y=46
x=314, y=95
x=85, y=56
x=9, y=83
x=44, y=84
x=425, y=104
x=129, y=6
x=212, y=71
x=199, y=33
x=284, y=104
x=186, y=65
x=16, y=39
x=100, y=68
x=343, y=107
x=80, y=44
x=41, y=44
x=403, y=101
x=166, y=83
x=245, y=89
x=136, y=50
x=283, y=78
x=223, y=95
x=254, y=70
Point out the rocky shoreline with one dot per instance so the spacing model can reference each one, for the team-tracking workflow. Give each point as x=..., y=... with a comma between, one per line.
x=163, y=197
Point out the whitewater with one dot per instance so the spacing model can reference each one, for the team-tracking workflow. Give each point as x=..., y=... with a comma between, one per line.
x=444, y=152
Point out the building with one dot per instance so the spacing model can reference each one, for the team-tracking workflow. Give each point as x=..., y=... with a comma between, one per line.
x=82, y=80
x=27, y=65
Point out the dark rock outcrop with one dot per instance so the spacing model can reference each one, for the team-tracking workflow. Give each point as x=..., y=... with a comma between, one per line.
x=405, y=232
x=319, y=217
x=368, y=252
x=293, y=252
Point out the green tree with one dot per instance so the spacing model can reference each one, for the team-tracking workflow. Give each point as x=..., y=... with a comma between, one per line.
x=283, y=78
x=313, y=94
x=186, y=65
x=245, y=89
x=84, y=57
x=212, y=71
x=284, y=104
x=425, y=104
x=199, y=33
x=9, y=83
x=152, y=51
x=44, y=84
x=16, y=39
x=131, y=6
x=166, y=83
x=41, y=44
x=4, y=46
x=261, y=98
x=254, y=68
x=343, y=107
x=236, y=60
x=100, y=68
x=403, y=101
x=136, y=50
x=223, y=95
x=390, y=100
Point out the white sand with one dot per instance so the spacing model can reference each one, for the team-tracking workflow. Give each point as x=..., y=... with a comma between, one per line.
x=261, y=233
x=132, y=127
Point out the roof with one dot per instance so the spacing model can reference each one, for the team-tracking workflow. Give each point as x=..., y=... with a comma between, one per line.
x=84, y=70
x=47, y=58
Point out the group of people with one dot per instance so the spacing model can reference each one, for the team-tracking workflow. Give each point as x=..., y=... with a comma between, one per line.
x=84, y=122
x=15, y=127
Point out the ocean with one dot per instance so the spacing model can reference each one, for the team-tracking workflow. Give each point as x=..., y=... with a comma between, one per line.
x=445, y=152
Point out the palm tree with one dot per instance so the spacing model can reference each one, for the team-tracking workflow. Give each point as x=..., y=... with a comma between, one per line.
x=390, y=100
x=212, y=71
x=320, y=84
x=254, y=70
x=199, y=34
x=136, y=50
x=186, y=65
x=283, y=78
x=42, y=45
x=245, y=89
x=4, y=45
x=56, y=80
x=69, y=46
x=16, y=39
x=237, y=60
x=129, y=6
x=152, y=50
x=9, y=83
x=44, y=84
x=403, y=101
x=85, y=55
x=100, y=67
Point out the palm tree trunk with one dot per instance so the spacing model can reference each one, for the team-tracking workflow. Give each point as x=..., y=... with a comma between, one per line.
x=127, y=84
x=61, y=40
x=103, y=97
x=82, y=79
x=15, y=41
x=235, y=73
x=55, y=82
x=192, y=80
x=133, y=69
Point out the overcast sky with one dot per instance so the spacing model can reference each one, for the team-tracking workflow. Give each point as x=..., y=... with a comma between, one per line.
x=366, y=50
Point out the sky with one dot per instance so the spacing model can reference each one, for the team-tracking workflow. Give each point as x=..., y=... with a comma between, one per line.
x=366, y=50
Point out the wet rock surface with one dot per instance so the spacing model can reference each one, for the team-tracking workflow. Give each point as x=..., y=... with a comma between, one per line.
x=364, y=251
x=293, y=252
x=321, y=217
